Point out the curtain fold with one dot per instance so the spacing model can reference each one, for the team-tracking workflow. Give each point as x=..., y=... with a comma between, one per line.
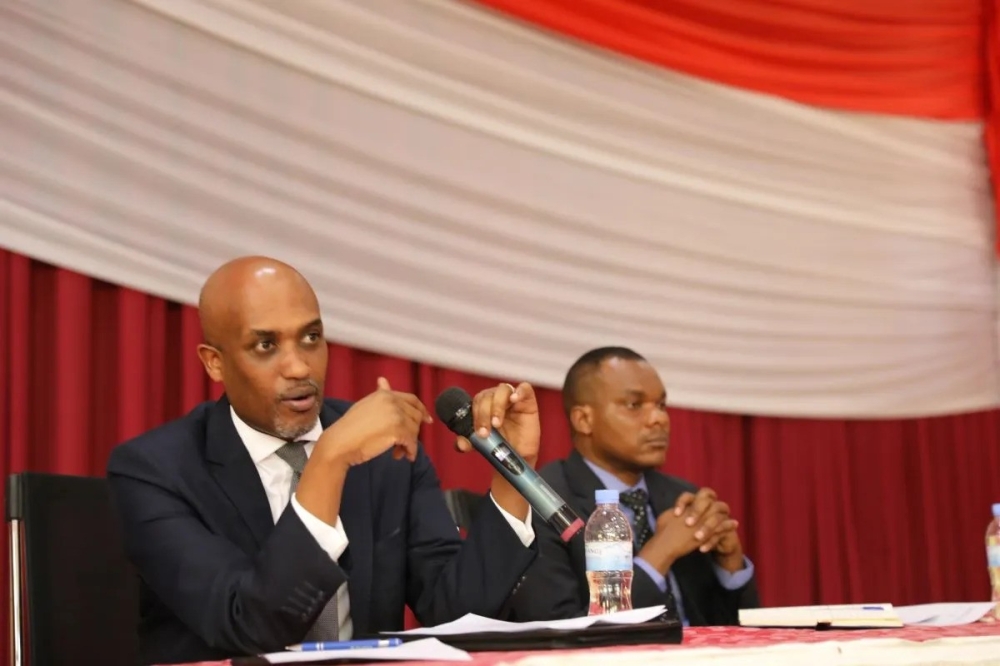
x=992, y=59
x=831, y=511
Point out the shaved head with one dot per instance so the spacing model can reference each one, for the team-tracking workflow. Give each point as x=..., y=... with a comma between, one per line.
x=263, y=339
x=228, y=289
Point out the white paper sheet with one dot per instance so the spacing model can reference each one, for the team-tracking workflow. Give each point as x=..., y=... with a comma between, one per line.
x=427, y=649
x=944, y=615
x=474, y=624
x=837, y=615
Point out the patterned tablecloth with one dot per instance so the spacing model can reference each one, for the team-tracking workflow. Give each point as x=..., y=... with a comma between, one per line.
x=740, y=638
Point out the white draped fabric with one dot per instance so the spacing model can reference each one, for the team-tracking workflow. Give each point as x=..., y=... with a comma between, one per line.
x=466, y=191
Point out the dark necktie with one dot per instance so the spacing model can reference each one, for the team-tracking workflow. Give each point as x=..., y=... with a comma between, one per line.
x=327, y=625
x=638, y=501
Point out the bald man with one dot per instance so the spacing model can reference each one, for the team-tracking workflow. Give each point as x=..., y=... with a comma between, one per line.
x=274, y=516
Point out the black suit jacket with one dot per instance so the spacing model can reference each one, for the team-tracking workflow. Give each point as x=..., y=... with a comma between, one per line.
x=219, y=578
x=556, y=583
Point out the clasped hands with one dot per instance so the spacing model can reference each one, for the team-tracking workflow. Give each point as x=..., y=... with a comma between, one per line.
x=698, y=521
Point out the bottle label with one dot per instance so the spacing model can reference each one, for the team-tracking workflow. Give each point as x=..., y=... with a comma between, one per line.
x=993, y=555
x=609, y=556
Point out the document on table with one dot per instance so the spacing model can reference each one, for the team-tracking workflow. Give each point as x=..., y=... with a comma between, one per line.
x=843, y=616
x=425, y=649
x=944, y=615
x=475, y=624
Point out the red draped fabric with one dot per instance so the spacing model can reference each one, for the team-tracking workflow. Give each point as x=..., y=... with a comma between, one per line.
x=936, y=59
x=831, y=511
x=992, y=50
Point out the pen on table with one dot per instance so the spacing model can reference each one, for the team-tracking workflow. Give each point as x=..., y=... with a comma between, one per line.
x=347, y=645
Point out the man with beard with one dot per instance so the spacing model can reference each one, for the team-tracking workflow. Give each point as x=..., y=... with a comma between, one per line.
x=688, y=555
x=273, y=516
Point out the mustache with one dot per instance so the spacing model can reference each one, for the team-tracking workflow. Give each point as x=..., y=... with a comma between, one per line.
x=299, y=390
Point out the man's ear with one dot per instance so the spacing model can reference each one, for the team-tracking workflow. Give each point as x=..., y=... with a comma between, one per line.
x=211, y=358
x=581, y=419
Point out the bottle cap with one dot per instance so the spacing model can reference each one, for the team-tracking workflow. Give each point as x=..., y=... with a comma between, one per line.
x=996, y=510
x=605, y=496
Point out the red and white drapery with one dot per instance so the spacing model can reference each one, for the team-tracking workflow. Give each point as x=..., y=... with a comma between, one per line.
x=435, y=165
x=787, y=206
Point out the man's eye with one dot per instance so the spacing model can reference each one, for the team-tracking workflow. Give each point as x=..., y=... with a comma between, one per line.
x=265, y=346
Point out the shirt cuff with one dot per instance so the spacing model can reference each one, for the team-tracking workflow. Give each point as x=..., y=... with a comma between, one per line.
x=331, y=538
x=523, y=529
x=734, y=580
x=658, y=578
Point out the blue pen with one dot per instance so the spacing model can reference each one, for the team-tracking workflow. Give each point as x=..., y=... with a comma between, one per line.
x=872, y=608
x=348, y=645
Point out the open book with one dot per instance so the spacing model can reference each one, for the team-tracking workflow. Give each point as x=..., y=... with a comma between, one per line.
x=862, y=616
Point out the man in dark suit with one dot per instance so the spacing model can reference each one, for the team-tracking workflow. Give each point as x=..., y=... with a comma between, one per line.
x=688, y=555
x=274, y=516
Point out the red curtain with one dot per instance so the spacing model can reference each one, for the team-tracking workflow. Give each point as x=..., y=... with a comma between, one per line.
x=831, y=511
x=924, y=59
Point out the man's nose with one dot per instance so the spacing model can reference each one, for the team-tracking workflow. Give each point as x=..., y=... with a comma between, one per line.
x=659, y=416
x=294, y=365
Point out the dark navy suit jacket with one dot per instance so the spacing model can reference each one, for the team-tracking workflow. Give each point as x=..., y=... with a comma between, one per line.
x=219, y=578
x=556, y=583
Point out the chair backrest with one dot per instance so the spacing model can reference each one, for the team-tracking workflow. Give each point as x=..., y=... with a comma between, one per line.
x=464, y=506
x=74, y=596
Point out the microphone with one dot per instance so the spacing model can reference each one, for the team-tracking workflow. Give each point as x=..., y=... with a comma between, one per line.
x=454, y=408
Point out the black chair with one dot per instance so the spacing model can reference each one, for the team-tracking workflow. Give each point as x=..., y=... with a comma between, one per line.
x=464, y=506
x=74, y=596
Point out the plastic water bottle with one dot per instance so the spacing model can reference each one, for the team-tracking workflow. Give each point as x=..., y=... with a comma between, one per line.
x=608, y=545
x=993, y=556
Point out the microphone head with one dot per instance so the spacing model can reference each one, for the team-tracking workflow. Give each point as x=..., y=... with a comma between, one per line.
x=454, y=408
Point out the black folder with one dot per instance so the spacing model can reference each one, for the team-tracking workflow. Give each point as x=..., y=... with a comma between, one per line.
x=661, y=630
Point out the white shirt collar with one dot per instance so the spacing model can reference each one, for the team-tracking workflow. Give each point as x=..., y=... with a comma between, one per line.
x=261, y=445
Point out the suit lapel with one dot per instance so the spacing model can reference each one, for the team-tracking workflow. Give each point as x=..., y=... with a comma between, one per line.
x=582, y=482
x=234, y=471
x=356, y=517
x=662, y=494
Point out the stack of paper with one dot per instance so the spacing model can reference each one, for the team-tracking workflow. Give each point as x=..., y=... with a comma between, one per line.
x=944, y=615
x=869, y=616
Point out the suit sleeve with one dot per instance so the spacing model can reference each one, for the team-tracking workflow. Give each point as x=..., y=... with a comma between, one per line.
x=234, y=602
x=447, y=577
x=552, y=587
x=726, y=610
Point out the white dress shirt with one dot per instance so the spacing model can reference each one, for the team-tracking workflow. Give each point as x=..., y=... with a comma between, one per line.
x=276, y=476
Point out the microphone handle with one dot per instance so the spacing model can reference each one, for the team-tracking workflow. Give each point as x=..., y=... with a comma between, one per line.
x=528, y=483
